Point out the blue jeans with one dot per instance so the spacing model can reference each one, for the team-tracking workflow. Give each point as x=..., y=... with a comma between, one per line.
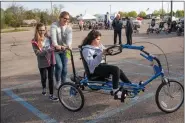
x=61, y=66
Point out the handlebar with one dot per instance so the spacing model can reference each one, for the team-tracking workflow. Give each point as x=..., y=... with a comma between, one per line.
x=66, y=48
x=114, y=50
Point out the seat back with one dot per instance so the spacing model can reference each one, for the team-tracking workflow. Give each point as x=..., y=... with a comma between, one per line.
x=91, y=77
x=84, y=63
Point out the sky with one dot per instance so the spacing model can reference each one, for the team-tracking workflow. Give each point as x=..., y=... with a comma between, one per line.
x=76, y=8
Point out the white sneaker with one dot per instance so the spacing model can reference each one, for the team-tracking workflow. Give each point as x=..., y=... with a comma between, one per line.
x=58, y=85
x=119, y=93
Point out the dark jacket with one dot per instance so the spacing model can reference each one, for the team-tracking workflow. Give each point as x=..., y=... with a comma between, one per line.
x=117, y=24
x=45, y=57
x=129, y=26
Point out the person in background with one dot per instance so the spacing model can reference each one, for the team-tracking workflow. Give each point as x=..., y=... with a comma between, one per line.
x=117, y=26
x=81, y=25
x=129, y=30
x=61, y=35
x=44, y=51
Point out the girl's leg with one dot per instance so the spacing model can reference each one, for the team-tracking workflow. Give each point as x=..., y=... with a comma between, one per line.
x=105, y=70
x=123, y=77
x=43, y=79
x=50, y=78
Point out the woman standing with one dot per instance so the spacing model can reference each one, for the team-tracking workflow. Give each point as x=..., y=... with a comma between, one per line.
x=61, y=35
x=44, y=51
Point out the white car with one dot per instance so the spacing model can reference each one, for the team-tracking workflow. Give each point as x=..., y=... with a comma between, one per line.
x=136, y=22
x=165, y=19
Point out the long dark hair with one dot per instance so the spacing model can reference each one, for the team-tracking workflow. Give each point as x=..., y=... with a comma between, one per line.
x=93, y=34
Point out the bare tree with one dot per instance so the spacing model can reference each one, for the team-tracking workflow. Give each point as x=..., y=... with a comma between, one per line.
x=18, y=14
x=57, y=9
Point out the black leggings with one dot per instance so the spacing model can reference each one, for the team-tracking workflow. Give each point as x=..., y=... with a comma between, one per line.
x=106, y=70
x=43, y=74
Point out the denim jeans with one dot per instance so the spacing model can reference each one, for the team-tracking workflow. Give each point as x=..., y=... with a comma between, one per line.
x=61, y=66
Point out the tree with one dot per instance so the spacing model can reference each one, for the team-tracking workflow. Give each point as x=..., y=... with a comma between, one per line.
x=156, y=13
x=142, y=14
x=132, y=14
x=14, y=15
x=123, y=14
x=162, y=12
x=180, y=13
x=57, y=9
x=172, y=14
x=2, y=19
x=29, y=15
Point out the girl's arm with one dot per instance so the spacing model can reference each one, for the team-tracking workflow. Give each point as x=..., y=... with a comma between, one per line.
x=38, y=51
x=92, y=62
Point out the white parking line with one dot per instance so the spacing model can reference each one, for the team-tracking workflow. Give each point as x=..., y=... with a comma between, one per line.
x=124, y=107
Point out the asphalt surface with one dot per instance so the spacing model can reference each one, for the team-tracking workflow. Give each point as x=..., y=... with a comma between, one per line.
x=21, y=99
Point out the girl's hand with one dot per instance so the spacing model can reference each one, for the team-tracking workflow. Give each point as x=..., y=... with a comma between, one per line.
x=105, y=52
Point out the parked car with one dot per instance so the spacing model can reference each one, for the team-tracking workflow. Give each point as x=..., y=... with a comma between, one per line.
x=135, y=21
x=165, y=19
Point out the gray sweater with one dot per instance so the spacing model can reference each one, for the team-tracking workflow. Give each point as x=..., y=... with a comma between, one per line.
x=45, y=56
x=61, y=35
x=93, y=56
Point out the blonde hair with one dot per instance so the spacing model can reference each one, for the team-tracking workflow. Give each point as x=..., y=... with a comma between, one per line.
x=37, y=36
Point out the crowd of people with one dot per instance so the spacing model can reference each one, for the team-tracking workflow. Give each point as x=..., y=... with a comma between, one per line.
x=52, y=55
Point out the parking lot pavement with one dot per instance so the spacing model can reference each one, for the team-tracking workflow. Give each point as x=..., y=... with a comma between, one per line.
x=21, y=99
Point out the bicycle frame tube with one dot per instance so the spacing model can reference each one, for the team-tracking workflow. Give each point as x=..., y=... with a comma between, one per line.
x=157, y=68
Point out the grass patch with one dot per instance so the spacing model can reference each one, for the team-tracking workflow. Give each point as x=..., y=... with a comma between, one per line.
x=14, y=30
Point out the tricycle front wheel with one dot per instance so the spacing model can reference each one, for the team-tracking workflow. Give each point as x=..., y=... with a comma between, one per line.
x=170, y=96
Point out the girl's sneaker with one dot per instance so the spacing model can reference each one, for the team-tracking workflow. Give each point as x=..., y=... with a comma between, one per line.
x=53, y=98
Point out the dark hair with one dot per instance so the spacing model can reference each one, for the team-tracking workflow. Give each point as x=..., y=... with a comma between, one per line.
x=62, y=14
x=93, y=34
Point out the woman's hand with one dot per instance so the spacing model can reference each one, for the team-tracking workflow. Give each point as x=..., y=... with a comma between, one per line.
x=58, y=47
x=62, y=48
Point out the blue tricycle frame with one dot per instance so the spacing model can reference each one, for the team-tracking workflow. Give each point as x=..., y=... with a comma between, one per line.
x=133, y=89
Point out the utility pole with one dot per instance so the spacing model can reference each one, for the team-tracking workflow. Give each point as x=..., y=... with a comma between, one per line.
x=110, y=9
x=171, y=9
x=162, y=11
x=51, y=11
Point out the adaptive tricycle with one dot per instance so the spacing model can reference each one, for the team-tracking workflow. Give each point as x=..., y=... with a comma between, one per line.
x=169, y=95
